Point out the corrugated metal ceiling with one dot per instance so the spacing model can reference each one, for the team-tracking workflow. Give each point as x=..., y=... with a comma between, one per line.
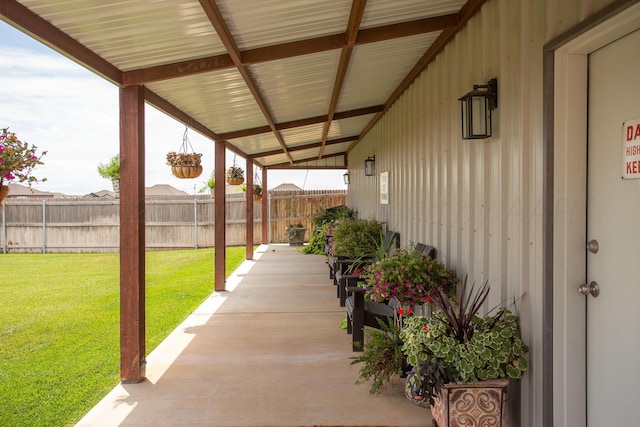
x=288, y=83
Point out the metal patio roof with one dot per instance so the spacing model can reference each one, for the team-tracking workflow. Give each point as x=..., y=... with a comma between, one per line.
x=286, y=83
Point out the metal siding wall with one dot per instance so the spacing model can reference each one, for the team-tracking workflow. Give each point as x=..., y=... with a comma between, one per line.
x=478, y=202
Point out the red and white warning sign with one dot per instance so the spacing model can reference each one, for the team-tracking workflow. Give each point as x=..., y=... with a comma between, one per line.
x=631, y=149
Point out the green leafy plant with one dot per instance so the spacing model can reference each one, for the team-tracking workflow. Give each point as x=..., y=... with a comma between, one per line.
x=356, y=238
x=382, y=356
x=209, y=184
x=457, y=345
x=408, y=277
x=110, y=170
x=257, y=190
x=332, y=215
x=323, y=222
x=17, y=159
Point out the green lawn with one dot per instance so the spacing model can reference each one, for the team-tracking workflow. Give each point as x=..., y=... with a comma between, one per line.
x=59, y=325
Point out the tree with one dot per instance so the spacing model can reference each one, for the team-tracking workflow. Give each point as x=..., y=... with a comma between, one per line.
x=111, y=170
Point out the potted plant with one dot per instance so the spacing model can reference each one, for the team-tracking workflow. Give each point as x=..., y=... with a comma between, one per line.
x=257, y=192
x=354, y=238
x=458, y=354
x=185, y=165
x=323, y=223
x=235, y=175
x=382, y=357
x=407, y=281
x=209, y=185
x=295, y=233
x=17, y=160
x=407, y=277
x=111, y=170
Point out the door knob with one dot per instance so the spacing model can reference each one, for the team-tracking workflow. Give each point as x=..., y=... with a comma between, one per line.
x=593, y=246
x=592, y=289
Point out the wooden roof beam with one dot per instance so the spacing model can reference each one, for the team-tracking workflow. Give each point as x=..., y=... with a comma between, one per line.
x=305, y=147
x=302, y=122
x=289, y=50
x=311, y=159
x=213, y=13
x=355, y=18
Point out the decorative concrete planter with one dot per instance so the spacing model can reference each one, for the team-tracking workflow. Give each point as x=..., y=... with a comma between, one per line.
x=474, y=404
x=296, y=235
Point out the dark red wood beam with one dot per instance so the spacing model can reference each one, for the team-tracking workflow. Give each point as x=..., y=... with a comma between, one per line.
x=132, y=236
x=355, y=17
x=302, y=122
x=305, y=147
x=288, y=50
x=249, y=220
x=310, y=159
x=265, y=207
x=220, y=229
x=215, y=17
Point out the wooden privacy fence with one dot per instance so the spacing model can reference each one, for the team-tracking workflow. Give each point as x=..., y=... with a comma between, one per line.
x=183, y=222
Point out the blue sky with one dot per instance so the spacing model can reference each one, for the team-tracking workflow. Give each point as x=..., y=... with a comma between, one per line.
x=61, y=107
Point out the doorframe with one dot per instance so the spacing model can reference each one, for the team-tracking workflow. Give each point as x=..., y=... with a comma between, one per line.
x=565, y=87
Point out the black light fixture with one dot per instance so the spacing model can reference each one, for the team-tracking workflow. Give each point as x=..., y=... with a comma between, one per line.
x=476, y=110
x=370, y=166
x=346, y=178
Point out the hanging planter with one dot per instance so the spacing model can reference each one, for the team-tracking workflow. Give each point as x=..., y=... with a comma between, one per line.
x=257, y=192
x=235, y=174
x=185, y=164
x=257, y=188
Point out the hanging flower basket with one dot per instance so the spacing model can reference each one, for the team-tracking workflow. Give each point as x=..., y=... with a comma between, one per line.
x=185, y=164
x=257, y=192
x=234, y=175
x=235, y=181
x=186, y=171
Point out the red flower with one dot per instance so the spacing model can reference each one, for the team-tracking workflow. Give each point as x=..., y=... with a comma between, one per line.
x=425, y=328
x=401, y=311
x=410, y=310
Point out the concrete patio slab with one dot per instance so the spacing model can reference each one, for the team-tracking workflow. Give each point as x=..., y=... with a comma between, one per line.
x=266, y=352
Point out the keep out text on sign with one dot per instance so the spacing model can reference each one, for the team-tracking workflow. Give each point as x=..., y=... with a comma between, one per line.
x=631, y=149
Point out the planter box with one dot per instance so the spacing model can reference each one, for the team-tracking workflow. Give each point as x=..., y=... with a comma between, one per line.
x=474, y=404
x=298, y=238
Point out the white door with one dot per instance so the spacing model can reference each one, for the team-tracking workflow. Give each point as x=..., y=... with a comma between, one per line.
x=613, y=220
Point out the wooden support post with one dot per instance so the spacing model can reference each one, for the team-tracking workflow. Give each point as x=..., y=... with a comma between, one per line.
x=132, y=237
x=265, y=208
x=220, y=218
x=249, y=221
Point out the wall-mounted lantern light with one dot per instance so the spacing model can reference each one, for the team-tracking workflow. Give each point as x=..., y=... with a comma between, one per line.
x=476, y=110
x=370, y=166
x=345, y=176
